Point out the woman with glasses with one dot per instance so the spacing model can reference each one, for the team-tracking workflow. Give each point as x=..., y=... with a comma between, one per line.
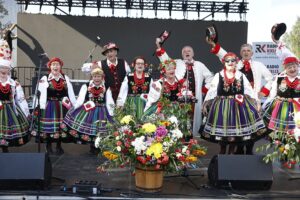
x=232, y=117
x=134, y=89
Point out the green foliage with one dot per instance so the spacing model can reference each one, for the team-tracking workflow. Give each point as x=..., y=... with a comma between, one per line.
x=284, y=147
x=292, y=39
x=181, y=111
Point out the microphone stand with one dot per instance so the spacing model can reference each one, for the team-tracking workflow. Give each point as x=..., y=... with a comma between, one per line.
x=36, y=105
x=90, y=56
x=185, y=172
x=186, y=100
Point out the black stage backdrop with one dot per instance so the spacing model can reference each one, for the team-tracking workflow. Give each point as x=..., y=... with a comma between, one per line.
x=72, y=37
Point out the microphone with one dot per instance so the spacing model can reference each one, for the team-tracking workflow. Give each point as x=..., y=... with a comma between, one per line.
x=43, y=54
x=98, y=38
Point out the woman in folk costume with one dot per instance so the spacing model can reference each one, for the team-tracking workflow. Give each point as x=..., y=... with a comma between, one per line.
x=168, y=87
x=57, y=97
x=91, y=112
x=284, y=99
x=134, y=89
x=14, y=126
x=197, y=74
x=233, y=117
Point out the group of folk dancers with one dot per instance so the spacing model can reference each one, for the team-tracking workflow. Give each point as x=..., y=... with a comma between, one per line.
x=231, y=104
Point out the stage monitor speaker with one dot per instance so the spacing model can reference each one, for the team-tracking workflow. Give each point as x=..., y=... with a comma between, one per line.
x=248, y=172
x=25, y=170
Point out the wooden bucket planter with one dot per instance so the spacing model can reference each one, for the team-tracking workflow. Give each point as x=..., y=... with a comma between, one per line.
x=148, y=179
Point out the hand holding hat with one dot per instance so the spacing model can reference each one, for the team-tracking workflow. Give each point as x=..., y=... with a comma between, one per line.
x=211, y=34
x=277, y=31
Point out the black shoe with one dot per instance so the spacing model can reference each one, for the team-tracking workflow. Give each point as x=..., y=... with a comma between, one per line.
x=59, y=151
x=249, y=148
x=222, y=149
x=239, y=150
x=49, y=148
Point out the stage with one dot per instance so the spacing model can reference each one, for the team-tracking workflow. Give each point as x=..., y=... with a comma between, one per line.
x=78, y=164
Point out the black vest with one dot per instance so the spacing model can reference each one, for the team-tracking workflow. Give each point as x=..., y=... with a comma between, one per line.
x=109, y=78
x=284, y=91
x=89, y=96
x=52, y=92
x=237, y=87
x=110, y=81
x=134, y=89
x=6, y=96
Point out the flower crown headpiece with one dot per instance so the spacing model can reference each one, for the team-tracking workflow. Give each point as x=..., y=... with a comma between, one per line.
x=163, y=65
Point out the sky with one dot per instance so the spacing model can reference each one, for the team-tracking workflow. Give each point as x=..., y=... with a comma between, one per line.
x=261, y=16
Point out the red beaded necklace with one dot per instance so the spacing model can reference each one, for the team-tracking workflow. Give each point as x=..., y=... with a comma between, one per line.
x=58, y=85
x=5, y=89
x=293, y=84
x=229, y=81
x=171, y=86
x=137, y=81
x=96, y=91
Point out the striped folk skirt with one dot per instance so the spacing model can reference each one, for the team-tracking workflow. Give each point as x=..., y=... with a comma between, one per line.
x=134, y=106
x=83, y=126
x=14, y=126
x=50, y=122
x=232, y=121
x=279, y=114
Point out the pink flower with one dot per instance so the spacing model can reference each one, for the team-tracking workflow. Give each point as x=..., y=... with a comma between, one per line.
x=116, y=133
x=63, y=125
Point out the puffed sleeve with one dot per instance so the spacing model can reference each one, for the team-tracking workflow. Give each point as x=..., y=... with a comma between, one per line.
x=43, y=85
x=162, y=54
x=282, y=52
x=218, y=51
x=81, y=96
x=123, y=92
x=86, y=68
x=20, y=99
x=109, y=102
x=71, y=94
x=273, y=93
x=212, y=91
x=154, y=94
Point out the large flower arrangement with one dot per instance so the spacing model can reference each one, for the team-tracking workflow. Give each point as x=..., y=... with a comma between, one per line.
x=158, y=142
x=284, y=146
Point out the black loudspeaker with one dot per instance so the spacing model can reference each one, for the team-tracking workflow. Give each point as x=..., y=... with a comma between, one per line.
x=247, y=172
x=25, y=170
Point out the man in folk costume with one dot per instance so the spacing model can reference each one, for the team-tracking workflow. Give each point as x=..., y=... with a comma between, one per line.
x=254, y=71
x=115, y=69
x=195, y=71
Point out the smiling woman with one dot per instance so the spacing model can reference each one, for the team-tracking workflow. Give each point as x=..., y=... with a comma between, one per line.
x=231, y=108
